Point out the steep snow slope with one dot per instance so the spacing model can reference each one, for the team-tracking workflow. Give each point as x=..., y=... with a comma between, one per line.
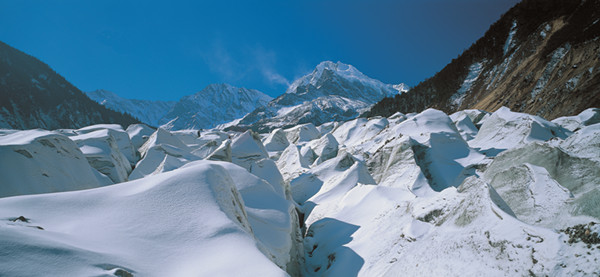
x=147, y=111
x=333, y=91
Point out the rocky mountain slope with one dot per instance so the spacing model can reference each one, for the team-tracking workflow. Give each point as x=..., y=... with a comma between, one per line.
x=32, y=95
x=147, y=111
x=541, y=57
x=333, y=91
x=429, y=194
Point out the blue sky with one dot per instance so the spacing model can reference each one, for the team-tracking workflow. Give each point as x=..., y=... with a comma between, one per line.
x=163, y=50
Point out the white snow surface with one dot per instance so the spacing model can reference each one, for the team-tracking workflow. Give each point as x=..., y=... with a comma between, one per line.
x=38, y=161
x=190, y=222
x=421, y=194
x=505, y=129
x=573, y=123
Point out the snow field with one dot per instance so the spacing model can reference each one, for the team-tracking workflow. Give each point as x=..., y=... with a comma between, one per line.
x=421, y=194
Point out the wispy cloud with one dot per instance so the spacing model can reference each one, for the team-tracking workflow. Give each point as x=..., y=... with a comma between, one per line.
x=275, y=77
x=221, y=61
x=265, y=62
x=243, y=63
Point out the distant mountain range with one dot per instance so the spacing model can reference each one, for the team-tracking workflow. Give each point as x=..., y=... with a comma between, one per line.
x=215, y=104
x=542, y=57
x=147, y=111
x=332, y=91
x=32, y=95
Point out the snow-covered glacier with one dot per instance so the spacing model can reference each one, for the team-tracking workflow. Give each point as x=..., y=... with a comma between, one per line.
x=422, y=194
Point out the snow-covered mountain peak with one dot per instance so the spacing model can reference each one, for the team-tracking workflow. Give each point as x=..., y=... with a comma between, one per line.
x=219, y=88
x=221, y=92
x=213, y=105
x=332, y=91
x=401, y=88
x=330, y=72
x=339, y=68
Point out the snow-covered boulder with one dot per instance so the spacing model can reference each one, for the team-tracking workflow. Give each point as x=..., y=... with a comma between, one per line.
x=160, y=137
x=443, y=156
x=38, y=161
x=576, y=122
x=325, y=148
x=358, y=131
x=247, y=149
x=292, y=163
x=221, y=153
x=420, y=126
x=327, y=127
x=396, y=118
x=248, y=152
x=322, y=187
x=302, y=133
x=161, y=153
x=505, y=129
x=584, y=143
x=101, y=150
x=139, y=134
x=533, y=195
x=276, y=141
x=464, y=125
x=395, y=165
x=121, y=138
x=271, y=215
x=580, y=176
x=477, y=117
x=217, y=135
x=191, y=138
